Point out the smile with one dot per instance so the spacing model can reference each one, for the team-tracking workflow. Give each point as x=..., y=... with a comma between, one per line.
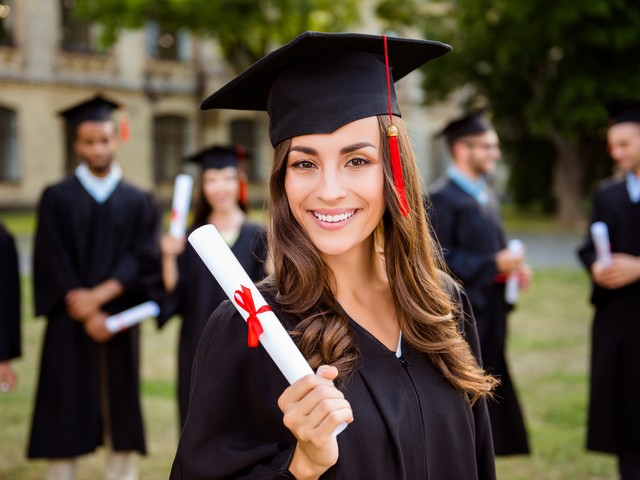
x=334, y=218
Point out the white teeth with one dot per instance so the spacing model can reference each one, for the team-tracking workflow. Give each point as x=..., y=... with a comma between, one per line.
x=333, y=218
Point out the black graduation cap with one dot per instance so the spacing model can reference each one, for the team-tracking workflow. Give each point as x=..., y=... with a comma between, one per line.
x=97, y=108
x=621, y=111
x=472, y=123
x=217, y=156
x=319, y=82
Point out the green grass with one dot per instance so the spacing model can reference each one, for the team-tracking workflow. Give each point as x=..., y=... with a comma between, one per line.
x=548, y=352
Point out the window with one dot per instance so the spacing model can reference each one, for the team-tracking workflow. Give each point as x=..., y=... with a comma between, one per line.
x=169, y=146
x=166, y=44
x=7, y=19
x=9, y=158
x=244, y=132
x=78, y=36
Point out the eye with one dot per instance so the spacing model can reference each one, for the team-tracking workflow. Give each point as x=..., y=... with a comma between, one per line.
x=357, y=161
x=303, y=164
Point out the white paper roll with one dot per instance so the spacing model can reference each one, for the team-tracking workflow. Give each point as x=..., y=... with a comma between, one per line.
x=512, y=287
x=224, y=266
x=180, y=205
x=127, y=318
x=600, y=236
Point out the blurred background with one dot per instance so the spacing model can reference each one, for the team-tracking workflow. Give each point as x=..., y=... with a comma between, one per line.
x=542, y=68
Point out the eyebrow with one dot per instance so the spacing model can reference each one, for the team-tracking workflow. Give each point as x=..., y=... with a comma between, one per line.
x=343, y=150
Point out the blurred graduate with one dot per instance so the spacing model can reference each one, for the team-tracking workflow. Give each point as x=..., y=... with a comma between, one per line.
x=193, y=293
x=10, y=310
x=96, y=254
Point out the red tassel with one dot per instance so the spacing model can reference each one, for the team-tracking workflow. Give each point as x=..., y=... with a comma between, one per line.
x=125, y=134
x=394, y=147
x=243, y=184
x=396, y=169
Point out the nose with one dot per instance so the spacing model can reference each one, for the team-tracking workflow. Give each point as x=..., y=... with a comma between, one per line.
x=332, y=185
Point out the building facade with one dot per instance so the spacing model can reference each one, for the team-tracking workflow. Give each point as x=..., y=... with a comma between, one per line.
x=50, y=60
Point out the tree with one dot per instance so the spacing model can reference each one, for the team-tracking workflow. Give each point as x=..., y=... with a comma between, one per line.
x=544, y=67
x=245, y=29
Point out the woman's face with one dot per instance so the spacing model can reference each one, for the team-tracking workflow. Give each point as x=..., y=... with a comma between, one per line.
x=335, y=185
x=220, y=187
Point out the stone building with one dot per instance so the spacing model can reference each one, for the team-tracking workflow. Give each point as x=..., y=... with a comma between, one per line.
x=49, y=61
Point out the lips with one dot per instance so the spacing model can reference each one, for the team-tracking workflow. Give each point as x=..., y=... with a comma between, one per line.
x=341, y=217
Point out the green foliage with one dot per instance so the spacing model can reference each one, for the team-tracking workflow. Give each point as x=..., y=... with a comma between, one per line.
x=245, y=29
x=544, y=65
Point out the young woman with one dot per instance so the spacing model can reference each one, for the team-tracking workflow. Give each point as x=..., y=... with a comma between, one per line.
x=193, y=293
x=357, y=284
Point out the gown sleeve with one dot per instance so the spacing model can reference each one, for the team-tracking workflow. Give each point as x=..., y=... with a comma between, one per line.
x=9, y=298
x=53, y=271
x=234, y=427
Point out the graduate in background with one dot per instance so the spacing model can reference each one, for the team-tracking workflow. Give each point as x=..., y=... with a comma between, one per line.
x=614, y=417
x=96, y=253
x=192, y=292
x=465, y=217
x=357, y=285
x=9, y=309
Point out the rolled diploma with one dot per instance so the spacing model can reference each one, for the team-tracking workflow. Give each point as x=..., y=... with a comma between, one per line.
x=512, y=286
x=219, y=259
x=180, y=204
x=600, y=236
x=132, y=316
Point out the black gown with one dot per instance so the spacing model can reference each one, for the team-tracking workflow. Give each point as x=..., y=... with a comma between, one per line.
x=614, y=416
x=409, y=423
x=470, y=235
x=80, y=243
x=197, y=295
x=9, y=297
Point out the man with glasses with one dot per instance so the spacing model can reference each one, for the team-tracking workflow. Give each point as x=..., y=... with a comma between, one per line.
x=465, y=217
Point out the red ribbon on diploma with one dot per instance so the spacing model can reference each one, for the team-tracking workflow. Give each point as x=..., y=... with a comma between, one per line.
x=244, y=299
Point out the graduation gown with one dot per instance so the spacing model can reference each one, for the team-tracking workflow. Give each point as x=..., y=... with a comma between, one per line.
x=409, y=423
x=9, y=297
x=614, y=416
x=198, y=294
x=80, y=243
x=470, y=235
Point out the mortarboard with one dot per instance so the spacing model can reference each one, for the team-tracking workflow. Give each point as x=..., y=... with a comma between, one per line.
x=319, y=82
x=472, y=123
x=621, y=111
x=98, y=109
x=216, y=156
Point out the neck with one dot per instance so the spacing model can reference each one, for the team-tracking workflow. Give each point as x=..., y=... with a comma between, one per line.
x=227, y=219
x=468, y=172
x=99, y=172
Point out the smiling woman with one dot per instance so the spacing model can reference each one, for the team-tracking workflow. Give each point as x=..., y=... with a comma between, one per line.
x=356, y=283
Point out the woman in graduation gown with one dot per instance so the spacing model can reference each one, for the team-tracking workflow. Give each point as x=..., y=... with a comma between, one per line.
x=193, y=294
x=356, y=283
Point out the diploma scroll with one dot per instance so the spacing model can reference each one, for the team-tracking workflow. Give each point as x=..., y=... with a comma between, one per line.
x=235, y=282
x=127, y=318
x=512, y=286
x=180, y=205
x=600, y=236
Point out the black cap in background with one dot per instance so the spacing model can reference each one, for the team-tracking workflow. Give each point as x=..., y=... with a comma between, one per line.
x=473, y=123
x=621, y=111
x=319, y=82
x=218, y=156
x=97, y=109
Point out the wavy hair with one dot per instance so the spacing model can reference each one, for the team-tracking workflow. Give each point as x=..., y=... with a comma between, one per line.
x=423, y=299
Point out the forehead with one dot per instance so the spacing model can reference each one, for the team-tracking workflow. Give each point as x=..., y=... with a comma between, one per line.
x=363, y=130
x=624, y=132
x=209, y=173
x=95, y=127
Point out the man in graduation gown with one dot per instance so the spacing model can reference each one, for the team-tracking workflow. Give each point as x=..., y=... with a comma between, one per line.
x=96, y=254
x=465, y=216
x=9, y=309
x=614, y=416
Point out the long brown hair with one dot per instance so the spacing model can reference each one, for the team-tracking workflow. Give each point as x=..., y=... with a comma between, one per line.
x=425, y=306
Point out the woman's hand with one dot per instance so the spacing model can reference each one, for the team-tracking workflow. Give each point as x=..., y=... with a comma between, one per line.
x=313, y=408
